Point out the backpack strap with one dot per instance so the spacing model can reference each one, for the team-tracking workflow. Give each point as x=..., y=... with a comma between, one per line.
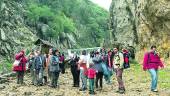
x=148, y=58
x=41, y=60
x=56, y=59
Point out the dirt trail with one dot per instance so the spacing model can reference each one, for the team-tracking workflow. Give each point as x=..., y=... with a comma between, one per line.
x=136, y=85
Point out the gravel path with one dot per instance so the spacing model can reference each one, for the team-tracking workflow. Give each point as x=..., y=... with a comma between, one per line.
x=136, y=85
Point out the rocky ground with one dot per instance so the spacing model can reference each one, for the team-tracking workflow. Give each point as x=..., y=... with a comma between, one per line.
x=137, y=83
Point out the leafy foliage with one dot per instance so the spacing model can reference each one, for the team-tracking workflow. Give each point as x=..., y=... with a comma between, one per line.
x=85, y=20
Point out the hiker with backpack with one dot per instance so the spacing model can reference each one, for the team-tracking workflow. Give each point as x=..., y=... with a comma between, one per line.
x=20, y=66
x=152, y=63
x=109, y=65
x=74, y=70
x=97, y=60
x=83, y=70
x=126, y=56
x=118, y=63
x=39, y=66
x=54, y=68
x=31, y=67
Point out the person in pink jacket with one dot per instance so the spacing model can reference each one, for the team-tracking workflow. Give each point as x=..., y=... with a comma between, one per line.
x=21, y=68
x=151, y=63
x=91, y=74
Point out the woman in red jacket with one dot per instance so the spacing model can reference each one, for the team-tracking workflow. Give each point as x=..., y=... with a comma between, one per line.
x=151, y=63
x=21, y=68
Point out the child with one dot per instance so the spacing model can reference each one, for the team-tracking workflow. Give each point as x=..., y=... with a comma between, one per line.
x=91, y=75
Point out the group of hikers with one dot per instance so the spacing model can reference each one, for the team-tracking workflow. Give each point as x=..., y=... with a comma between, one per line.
x=94, y=66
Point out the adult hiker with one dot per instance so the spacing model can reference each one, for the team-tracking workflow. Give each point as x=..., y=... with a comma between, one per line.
x=31, y=67
x=99, y=71
x=48, y=63
x=151, y=63
x=109, y=63
x=91, y=73
x=54, y=68
x=83, y=70
x=118, y=62
x=21, y=67
x=62, y=66
x=39, y=67
x=45, y=72
x=74, y=70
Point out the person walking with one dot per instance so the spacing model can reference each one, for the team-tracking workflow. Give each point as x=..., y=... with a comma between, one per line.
x=118, y=63
x=31, y=67
x=39, y=63
x=109, y=63
x=152, y=62
x=91, y=73
x=54, y=68
x=74, y=70
x=62, y=65
x=83, y=70
x=99, y=71
x=48, y=64
x=21, y=67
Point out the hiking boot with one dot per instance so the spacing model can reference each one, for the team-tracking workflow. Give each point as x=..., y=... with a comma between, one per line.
x=76, y=85
x=154, y=90
x=92, y=92
x=121, y=91
x=82, y=89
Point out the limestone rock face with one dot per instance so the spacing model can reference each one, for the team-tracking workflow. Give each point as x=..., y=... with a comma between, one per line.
x=154, y=22
x=123, y=23
x=141, y=23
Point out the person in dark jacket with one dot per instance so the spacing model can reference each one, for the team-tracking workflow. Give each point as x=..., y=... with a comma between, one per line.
x=31, y=67
x=98, y=67
x=74, y=70
x=54, y=68
x=21, y=68
x=39, y=66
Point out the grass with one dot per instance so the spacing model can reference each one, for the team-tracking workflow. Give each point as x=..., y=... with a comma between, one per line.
x=5, y=66
x=144, y=76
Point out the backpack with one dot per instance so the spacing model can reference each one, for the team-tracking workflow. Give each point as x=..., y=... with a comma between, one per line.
x=126, y=60
x=55, y=64
x=39, y=62
x=55, y=61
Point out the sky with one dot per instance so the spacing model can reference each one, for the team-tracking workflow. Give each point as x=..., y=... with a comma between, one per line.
x=103, y=3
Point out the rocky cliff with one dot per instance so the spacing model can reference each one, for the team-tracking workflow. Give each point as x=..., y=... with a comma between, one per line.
x=14, y=34
x=141, y=23
x=75, y=24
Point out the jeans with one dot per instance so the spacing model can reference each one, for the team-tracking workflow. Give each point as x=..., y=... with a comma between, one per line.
x=39, y=76
x=32, y=75
x=83, y=79
x=91, y=85
x=154, y=76
x=110, y=71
